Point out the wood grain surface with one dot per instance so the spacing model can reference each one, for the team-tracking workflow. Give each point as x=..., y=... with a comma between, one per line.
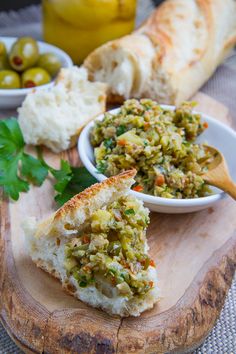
x=196, y=259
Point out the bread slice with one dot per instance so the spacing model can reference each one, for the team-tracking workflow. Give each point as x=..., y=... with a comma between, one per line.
x=55, y=117
x=96, y=246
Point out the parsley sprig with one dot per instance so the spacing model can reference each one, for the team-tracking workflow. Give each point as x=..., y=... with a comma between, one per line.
x=18, y=169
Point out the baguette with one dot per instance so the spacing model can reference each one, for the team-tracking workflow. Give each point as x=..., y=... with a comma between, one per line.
x=171, y=55
x=48, y=243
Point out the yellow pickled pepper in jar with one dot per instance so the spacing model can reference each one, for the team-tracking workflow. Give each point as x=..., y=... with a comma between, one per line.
x=80, y=26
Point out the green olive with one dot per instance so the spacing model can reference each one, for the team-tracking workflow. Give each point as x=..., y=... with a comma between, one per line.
x=49, y=62
x=24, y=54
x=35, y=77
x=4, y=64
x=9, y=79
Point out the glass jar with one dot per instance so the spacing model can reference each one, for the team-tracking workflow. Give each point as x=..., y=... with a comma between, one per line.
x=80, y=26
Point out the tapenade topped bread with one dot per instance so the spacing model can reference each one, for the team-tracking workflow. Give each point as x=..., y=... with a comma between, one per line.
x=96, y=245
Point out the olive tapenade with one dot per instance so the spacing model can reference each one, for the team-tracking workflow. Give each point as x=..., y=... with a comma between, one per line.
x=159, y=143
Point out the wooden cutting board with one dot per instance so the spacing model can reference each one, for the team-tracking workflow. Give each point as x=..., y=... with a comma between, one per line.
x=196, y=260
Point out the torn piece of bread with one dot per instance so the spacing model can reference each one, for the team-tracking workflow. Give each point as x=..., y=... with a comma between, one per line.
x=125, y=65
x=55, y=117
x=96, y=245
x=171, y=55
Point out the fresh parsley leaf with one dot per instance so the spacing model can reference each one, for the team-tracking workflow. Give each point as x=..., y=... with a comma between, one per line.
x=17, y=168
x=69, y=180
x=120, y=130
x=129, y=212
x=80, y=180
x=33, y=170
x=83, y=284
x=101, y=166
x=9, y=180
x=108, y=143
x=11, y=139
x=62, y=176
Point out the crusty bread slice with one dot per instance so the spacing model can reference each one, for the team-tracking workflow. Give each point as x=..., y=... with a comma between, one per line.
x=46, y=244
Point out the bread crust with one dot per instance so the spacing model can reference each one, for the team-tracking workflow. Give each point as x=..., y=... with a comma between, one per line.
x=73, y=213
x=80, y=199
x=190, y=38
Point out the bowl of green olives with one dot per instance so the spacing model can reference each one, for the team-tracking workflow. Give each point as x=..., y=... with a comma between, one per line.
x=26, y=65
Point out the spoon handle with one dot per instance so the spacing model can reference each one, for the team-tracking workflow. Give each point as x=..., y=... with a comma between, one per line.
x=230, y=188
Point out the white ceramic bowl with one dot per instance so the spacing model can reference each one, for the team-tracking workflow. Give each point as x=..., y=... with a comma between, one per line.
x=218, y=135
x=13, y=98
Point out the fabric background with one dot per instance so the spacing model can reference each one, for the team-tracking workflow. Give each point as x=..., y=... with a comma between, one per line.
x=222, y=86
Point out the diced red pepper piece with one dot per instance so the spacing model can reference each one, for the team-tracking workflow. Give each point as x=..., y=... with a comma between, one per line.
x=146, y=125
x=113, y=281
x=160, y=180
x=121, y=142
x=138, y=188
x=85, y=239
x=152, y=263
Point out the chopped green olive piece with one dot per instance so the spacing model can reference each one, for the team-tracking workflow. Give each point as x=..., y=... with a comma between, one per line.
x=130, y=137
x=70, y=263
x=124, y=289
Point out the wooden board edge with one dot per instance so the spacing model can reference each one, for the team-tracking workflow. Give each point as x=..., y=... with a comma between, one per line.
x=16, y=305
x=212, y=295
x=67, y=334
x=22, y=346
x=195, y=318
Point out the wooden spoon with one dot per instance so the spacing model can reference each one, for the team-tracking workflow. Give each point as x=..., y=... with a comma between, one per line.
x=218, y=173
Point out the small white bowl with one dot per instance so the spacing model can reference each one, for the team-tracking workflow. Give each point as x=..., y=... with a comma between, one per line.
x=13, y=98
x=217, y=135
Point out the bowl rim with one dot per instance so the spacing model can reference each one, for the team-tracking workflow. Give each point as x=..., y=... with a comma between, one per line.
x=150, y=199
x=24, y=91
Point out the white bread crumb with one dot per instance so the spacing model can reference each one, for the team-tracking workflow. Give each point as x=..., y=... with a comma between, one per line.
x=55, y=117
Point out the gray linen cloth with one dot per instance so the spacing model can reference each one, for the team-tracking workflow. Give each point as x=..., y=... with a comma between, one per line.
x=222, y=86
